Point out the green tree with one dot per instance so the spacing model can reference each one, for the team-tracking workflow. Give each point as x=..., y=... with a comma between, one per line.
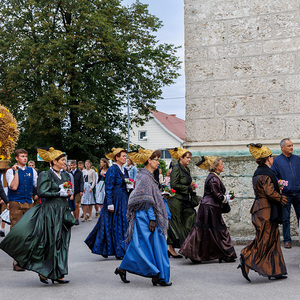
x=65, y=67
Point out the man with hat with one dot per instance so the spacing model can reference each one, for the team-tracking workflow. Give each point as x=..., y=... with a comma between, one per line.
x=20, y=181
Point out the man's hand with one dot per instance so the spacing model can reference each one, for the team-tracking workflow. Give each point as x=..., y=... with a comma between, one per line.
x=15, y=167
x=1, y=201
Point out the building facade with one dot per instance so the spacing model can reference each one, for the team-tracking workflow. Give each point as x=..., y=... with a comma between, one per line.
x=242, y=65
x=162, y=131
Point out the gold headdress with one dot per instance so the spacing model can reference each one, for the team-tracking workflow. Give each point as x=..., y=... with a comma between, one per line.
x=9, y=133
x=49, y=154
x=177, y=152
x=259, y=151
x=206, y=162
x=140, y=156
x=114, y=151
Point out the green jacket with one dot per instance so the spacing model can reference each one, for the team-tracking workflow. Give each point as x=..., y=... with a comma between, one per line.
x=180, y=182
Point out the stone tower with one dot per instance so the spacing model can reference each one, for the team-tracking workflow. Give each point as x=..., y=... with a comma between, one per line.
x=242, y=65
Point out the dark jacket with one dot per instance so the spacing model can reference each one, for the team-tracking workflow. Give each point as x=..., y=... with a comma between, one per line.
x=288, y=168
x=78, y=181
x=2, y=192
x=214, y=191
x=180, y=182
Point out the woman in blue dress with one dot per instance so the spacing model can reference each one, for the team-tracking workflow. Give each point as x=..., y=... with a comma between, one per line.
x=107, y=237
x=147, y=253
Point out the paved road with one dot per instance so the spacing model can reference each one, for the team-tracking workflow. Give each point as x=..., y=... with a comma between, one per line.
x=92, y=277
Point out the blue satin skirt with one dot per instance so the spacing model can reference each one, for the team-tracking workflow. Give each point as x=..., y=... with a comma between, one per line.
x=147, y=253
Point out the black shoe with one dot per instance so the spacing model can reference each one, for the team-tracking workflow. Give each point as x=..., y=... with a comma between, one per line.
x=2, y=233
x=60, y=281
x=156, y=281
x=244, y=273
x=122, y=274
x=76, y=222
x=43, y=280
x=174, y=256
x=277, y=277
x=227, y=260
x=105, y=256
x=119, y=257
x=195, y=261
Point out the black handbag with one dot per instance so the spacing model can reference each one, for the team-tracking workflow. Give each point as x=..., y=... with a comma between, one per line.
x=276, y=213
x=68, y=218
x=225, y=208
x=194, y=200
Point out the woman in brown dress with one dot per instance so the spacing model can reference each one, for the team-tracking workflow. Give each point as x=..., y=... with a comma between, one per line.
x=209, y=239
x=263, y=254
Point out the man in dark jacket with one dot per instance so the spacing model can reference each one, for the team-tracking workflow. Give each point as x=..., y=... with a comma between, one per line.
x=78, y=188
x=286, y=166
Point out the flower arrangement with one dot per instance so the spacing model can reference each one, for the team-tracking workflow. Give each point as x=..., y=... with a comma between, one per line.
x=232, y=195
x=67, y=185
x=9, y=133
x=129, y=181
x=169, y=192
x=194, y=184
x=282, y=183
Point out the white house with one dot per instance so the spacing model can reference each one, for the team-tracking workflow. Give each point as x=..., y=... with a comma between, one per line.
x=162, y=132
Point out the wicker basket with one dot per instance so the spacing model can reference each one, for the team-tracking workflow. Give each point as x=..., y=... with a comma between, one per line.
x=4, y=164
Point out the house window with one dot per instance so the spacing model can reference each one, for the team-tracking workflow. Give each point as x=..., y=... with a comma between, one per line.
x=165, y=154
x=142, y=135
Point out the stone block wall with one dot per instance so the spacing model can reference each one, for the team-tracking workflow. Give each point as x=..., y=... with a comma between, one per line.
x=242, y=67
x=242, y=72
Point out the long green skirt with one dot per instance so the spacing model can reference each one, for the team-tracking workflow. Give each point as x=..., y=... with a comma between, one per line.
x=183, y=218
x=40, y=240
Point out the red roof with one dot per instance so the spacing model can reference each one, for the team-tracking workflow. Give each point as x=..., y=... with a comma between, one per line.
x=171, y=122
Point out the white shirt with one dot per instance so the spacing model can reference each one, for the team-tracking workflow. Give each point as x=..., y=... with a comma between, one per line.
x=10, y=176
x=121, y=167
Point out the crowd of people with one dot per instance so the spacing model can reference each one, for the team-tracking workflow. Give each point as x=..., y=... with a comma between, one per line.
x=142, y=217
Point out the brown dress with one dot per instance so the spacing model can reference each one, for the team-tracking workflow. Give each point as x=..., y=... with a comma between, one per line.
x=263, y=254
x=209, y=238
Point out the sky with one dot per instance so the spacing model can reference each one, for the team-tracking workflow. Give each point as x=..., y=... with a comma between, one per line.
x=171, y=13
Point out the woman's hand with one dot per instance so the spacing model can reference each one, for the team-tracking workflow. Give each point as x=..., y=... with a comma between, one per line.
x=152, y=226
x=90, y=190
x=283, y=200
x=111, y=208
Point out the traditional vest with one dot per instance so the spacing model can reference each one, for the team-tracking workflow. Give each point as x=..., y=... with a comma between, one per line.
x=24, y=192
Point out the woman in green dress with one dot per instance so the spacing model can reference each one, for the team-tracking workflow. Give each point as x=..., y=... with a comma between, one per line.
x=40, y=240
x=183, y=214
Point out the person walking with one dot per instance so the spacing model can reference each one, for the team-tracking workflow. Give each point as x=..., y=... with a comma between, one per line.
x=182, y=212
x=78, y=188
x=209, y=238
x=286, y=167
x=100, y=187
x=3, y=206
x=147, y=253
x=40, y=240
x=20, y=181
x=108, y=235
x=87, y=200
x=263, y=255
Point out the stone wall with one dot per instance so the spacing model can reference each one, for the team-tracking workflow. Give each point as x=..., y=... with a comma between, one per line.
x=237, y=176
x=242, y=72
x=242, y=67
